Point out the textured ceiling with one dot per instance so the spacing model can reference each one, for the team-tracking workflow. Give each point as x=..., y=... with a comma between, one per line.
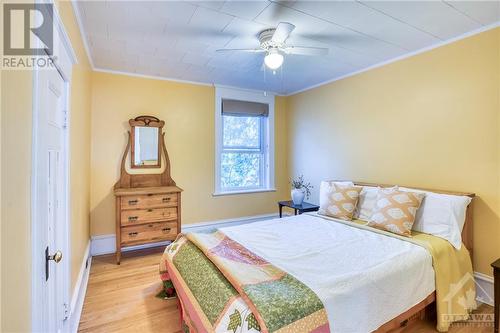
x=178, y=39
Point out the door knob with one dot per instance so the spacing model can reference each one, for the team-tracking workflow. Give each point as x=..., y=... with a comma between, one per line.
x=57, y=257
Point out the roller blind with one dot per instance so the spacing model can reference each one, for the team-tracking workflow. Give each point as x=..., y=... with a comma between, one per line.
x=241, y=108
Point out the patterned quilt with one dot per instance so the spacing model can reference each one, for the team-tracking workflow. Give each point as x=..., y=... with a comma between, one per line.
x=223, y=287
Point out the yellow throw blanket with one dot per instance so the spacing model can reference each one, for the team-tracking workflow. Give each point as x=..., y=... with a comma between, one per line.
x=455, y=287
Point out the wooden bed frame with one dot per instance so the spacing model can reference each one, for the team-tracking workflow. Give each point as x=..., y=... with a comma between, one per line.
x=427, y=308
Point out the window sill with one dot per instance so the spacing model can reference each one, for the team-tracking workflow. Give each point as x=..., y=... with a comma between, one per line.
x=218, y=194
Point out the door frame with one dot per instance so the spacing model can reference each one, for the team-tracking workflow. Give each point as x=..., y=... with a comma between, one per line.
x=64, y=58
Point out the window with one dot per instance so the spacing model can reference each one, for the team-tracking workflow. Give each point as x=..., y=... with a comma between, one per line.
x=242, y=158
x=244, y=140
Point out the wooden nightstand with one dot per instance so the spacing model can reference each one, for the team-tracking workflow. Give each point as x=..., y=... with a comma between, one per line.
x=305, y=207
x=496, y=276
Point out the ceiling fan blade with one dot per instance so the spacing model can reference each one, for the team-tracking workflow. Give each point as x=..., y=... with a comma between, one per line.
x=241, y=50
x=283, y=30
x=305, y=50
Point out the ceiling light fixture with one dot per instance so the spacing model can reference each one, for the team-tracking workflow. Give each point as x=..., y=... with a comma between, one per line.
x=273, y=59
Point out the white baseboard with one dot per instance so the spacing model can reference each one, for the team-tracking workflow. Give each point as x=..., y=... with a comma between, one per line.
x=80, y=290
x=102, y=244
x=221, y=223
x=484, y=288
x=106, y=244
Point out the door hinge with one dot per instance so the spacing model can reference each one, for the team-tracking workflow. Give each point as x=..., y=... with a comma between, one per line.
x=66, y=310
x=65, y=119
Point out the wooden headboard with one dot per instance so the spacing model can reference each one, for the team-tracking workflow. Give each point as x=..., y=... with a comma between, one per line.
x=466, y=231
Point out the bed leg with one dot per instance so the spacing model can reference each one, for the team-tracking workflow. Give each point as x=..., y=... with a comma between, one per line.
x=430, y=313
x=179, y=305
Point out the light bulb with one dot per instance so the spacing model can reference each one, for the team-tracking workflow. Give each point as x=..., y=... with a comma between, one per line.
x=273, y=59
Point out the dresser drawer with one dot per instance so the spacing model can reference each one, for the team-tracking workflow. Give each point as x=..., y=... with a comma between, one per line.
x=147, y=233
x=141, y=216
x=149, y=200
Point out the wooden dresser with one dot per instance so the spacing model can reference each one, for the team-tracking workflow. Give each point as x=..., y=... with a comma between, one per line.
x=148, y=206
x=147, y=215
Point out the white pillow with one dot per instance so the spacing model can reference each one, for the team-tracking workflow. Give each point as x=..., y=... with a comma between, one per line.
x=366, y=202
x=441, y=215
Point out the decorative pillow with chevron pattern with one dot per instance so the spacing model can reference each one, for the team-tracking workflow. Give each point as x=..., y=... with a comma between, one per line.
x=395, y=210
x=338, y=199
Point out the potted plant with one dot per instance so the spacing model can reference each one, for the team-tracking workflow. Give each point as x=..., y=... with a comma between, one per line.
x=300, y=189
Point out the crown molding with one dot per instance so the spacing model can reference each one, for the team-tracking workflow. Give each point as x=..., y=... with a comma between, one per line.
x=377, y=65
x=401, y=57
x=265, y=92
x=164, y=78
x=153, y=77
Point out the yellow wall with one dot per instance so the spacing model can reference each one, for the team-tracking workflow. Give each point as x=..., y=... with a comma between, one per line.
x=16, y=200
x=188, y=111
x=15, y=232
x=16, y=122
x=431, y=120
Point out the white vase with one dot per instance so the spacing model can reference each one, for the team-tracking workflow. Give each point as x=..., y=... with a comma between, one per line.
x=298, y=196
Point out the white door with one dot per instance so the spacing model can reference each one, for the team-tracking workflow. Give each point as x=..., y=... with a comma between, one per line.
x=50, y=201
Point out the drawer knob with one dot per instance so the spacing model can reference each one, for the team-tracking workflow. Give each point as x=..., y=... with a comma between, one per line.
x=166, y=230
x=166, y=199
x=150, y=210
x=133, y=218
x=132, y=234
x=133, y=202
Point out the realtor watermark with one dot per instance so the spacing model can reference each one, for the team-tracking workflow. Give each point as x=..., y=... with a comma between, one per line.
x=462, y=294
x=28, y=36
x=471, y=320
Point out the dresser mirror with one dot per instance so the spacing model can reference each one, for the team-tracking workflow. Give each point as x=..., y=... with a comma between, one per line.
x=146, y=134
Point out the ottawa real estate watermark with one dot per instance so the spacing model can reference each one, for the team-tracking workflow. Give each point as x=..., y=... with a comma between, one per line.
x=457, y=299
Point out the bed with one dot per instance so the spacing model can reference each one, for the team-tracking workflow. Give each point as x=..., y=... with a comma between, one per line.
x=311, y=273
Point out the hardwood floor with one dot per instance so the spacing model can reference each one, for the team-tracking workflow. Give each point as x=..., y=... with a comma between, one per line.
x=121, y=298
x=423, y=326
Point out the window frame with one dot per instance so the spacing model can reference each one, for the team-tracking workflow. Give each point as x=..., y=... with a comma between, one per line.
x=267, y=139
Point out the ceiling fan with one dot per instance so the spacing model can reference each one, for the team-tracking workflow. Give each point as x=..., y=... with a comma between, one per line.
x=272, y=42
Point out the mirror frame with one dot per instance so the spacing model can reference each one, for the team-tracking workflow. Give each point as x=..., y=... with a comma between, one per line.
x=145, y=121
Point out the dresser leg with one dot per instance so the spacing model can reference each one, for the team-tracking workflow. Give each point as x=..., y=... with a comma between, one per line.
x=118, y=257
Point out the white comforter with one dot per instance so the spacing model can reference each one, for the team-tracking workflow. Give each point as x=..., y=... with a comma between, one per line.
x=363, y=278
